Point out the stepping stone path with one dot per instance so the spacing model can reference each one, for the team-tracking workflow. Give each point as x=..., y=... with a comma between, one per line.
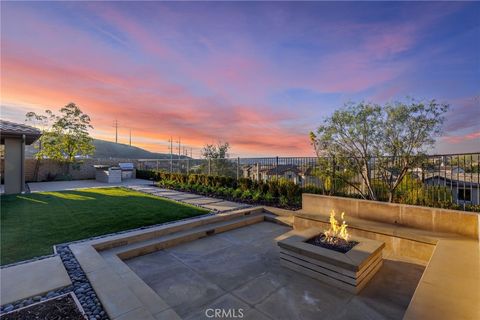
x=209, y=203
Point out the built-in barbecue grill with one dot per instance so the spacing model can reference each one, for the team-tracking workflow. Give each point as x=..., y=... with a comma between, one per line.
x=128, y=170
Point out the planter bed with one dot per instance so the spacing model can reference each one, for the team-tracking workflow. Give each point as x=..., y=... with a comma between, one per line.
x=62, y=308
x=239, y=200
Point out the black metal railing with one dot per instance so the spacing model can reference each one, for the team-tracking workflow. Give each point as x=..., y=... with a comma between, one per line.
x=434, y=180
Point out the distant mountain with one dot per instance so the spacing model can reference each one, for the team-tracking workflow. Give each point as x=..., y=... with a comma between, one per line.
x=108, y=149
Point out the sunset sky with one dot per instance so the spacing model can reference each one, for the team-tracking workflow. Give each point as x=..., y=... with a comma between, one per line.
x=258, y=75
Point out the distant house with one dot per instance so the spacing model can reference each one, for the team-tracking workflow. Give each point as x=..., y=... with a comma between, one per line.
x=309, y=177
x=261, y=173
x=286, y=171
x=465, y=187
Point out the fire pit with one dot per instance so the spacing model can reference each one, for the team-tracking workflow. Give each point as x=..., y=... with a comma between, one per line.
x=332, y=256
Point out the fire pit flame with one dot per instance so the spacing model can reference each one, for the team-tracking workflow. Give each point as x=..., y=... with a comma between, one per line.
x=337, y=231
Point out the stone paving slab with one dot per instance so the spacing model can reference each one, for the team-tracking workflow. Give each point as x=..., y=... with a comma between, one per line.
x=224, y=205
x=32, y=279
x=202, y=200
x=183, y=197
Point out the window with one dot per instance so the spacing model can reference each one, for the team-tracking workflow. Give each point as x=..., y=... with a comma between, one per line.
x=464, y=194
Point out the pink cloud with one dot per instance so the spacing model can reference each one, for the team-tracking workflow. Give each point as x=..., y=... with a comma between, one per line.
x=463, y=138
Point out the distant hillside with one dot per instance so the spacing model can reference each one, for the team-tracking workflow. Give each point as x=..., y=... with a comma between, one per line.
x=107, y=149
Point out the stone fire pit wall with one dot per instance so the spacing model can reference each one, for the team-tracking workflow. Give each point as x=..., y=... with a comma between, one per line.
x=350, y=271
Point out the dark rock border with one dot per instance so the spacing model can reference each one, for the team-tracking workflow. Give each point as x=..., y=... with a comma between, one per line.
x=81, y=286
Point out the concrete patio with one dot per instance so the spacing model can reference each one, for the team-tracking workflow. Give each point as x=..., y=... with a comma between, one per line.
x=79, y=184
x=240, y=269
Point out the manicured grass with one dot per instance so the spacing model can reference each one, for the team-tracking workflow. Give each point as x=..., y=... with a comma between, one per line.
x=31, y=224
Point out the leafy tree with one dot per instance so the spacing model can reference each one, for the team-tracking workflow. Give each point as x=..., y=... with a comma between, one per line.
x=65, y=136
x=218, y=156
x=379, y=142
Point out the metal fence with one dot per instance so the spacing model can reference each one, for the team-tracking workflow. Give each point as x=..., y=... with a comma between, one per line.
x=441, y=179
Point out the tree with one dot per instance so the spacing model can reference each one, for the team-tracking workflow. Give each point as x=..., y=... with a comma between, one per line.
x=65, y=136
x=218, y=156
x=379, y=142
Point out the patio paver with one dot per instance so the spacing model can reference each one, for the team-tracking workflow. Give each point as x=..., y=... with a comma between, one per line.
x=246, y=271
x=32, y=278
x=209, y=203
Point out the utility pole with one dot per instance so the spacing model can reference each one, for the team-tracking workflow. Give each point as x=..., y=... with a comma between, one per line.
x=179, y=148
x=171, y=154
x=130, y=137
x=115, y=124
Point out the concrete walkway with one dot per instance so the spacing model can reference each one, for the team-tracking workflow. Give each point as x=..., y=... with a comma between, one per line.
x=32, y=279
x=213, y=204
x=80, y=184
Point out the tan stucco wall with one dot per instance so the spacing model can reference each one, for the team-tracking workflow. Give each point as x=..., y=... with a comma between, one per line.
x=432, y=219
x=13, y=165
x=83, y=171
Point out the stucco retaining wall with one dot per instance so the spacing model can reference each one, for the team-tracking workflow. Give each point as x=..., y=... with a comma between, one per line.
x=425, y=218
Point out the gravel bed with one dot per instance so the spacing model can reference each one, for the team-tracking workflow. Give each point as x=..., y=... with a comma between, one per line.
x=61, y=308
x=26, y=302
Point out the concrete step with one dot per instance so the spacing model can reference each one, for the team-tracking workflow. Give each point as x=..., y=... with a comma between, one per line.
x=283, y=220
x=172, y=239
x=155, y=232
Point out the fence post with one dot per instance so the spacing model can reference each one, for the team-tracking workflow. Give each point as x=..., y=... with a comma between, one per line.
x=333, y=175
x=209, y=167
x=276, y=168
x=238, y=168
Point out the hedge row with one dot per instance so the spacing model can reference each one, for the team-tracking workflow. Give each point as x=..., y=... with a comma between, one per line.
x=280, y=192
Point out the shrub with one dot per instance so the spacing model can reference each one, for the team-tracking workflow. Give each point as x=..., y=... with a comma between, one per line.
x=246, y=195
x=244, y=183
x=263, y=187
x=273, y=188
x=229, y=192
x=237, y=193
x=269, y=197
x=312, y=189
x=257, y=196
x=283, y=201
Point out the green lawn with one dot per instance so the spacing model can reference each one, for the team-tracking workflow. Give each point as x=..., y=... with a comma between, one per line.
x=31, y=224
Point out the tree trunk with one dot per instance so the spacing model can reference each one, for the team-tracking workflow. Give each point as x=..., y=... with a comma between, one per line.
x=67, y=168
x=390, y=196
